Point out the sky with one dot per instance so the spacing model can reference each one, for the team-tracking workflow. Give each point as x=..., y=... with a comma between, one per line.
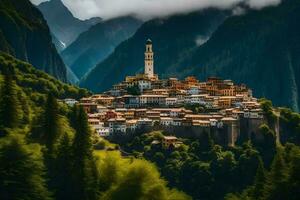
x=147, y=9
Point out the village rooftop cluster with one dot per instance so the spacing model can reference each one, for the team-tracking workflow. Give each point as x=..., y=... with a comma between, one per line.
x=144, y=100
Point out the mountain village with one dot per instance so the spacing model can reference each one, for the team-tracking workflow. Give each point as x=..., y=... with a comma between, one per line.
x=182, y=108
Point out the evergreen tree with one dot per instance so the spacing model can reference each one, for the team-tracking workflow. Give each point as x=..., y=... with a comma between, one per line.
x=85, y=170
x=276, y=184
x=51, y=123
x=266, y=145
x=260, y=180
x=294, y=179
x=21, y=171
x=9, y=107
x=64, y=169
x=26, y=113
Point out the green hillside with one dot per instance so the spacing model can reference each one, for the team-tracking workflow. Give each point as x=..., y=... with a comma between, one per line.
x=34, y=81
x=46, y=148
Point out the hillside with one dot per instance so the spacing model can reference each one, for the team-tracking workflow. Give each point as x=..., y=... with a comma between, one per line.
x=34, y=81
x=64, y=26
x=94, y=45
x=173, y=38
x=24, y=33
x=42, y=139
x=260, y=49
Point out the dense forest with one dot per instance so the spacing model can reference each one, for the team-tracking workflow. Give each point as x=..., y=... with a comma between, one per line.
x=47, y=149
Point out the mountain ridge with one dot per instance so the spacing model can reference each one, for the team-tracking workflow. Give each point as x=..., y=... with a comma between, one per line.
x=128, y=57
x=95, y=44
x=62, y=23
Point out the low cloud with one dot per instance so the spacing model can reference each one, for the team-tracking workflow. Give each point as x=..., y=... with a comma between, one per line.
x=146, y=9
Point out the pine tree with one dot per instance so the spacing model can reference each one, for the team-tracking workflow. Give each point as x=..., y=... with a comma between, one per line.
x=9, y=107
x=85, y=170
x=294, y=179
x=21, y=171
x=259, y=182
x=51, y=123
x=276, y=184
x=63, y=172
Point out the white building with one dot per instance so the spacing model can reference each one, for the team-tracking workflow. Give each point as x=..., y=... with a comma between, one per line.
x=144, y=85
x=166, y=121
x=103, y=131
x=117, y=125
x=171, y=101
x=193, y=90
x=152, y=99
x=70, y=102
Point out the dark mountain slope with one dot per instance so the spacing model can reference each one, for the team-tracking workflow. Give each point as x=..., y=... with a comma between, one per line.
x=261, y=49
x=174, y=38
x=24, y=33
x=62, y=23
x=94, y=45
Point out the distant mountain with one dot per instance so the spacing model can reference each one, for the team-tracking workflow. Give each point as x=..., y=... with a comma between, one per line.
x=24, y=33
x=261, y=49
x=94, y=45
x=174, y=38
x=65, y=27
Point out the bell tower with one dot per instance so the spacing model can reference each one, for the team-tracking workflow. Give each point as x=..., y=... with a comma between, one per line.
x=149, y=63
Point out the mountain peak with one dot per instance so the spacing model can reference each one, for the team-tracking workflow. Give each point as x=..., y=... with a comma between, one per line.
x=63, y=24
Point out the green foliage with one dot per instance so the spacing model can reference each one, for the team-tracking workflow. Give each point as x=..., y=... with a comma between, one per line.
x=84, y=171
x=280, y=182
x=22, y=172
x=267, y=108
x=276, y=183
x=266, y=143
x=200, y=168
x=290, y=126
x=134, y=180
x=9, y=103
x=35, y=82
x=50, y=126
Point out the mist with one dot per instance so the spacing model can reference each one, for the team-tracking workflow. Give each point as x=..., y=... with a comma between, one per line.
x=147, y=9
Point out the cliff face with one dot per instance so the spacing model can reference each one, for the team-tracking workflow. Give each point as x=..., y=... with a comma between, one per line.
x=174, y=38
x=260, y=49
x=94, y=45
x=64, y=26
x=24, y=34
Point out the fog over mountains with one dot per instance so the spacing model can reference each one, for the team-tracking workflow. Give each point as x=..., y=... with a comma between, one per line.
x=146, y=9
